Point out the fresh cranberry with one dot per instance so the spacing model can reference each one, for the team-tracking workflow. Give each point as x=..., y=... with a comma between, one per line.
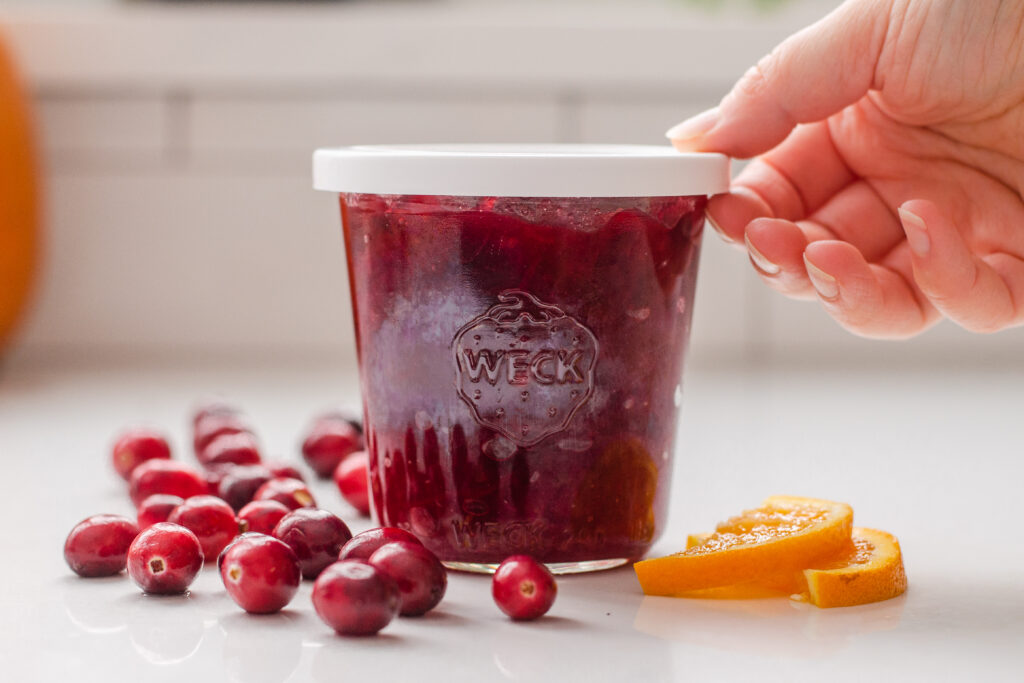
x=209, y=427
x=136, y=446
x=156, y=508
x=261, y=516
x=260, y=573
x=523, y=588
x=98, y=545
x=316, y=536
x=328, y=443
x=210, y=519
x=239, y=484
x=213, y=476
x=234, y=449
x=283, y=469
x=421, y=578
x=348, y=417
x=165, y=476
x=355, y=598
x=362, y=545
x=292, y=493
x=213, y=407
x=352, y=477
x=165, y=559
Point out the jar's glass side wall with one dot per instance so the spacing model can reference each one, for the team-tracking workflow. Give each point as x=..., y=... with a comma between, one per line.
x=521, y=367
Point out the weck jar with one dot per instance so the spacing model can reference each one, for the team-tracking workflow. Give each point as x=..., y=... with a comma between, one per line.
x=522, y=314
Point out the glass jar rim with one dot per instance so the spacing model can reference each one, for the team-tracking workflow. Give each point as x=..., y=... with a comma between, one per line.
x=520, y=170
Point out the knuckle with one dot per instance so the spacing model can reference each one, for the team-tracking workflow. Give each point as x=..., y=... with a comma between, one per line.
x=754, y=83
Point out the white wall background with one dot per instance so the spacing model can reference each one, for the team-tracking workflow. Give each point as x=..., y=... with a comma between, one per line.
x=177, y=138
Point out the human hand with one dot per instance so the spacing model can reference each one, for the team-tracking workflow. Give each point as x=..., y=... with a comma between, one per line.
x=891, y=174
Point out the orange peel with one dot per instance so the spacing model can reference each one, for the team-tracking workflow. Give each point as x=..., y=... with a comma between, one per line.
x=871, y=571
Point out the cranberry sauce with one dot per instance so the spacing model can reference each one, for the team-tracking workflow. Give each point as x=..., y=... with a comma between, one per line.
x=521, y=362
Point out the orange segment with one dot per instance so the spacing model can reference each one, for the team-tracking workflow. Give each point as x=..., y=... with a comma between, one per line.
x=783, y=536
x=871, y=571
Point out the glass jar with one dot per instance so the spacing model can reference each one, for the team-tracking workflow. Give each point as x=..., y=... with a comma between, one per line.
x=522, y=315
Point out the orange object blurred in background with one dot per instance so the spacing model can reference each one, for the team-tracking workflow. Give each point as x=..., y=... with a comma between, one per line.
x=19, y=199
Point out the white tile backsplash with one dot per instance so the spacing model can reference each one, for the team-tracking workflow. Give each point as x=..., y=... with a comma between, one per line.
x=185, y=222
x=102, y=131
x=189, y=262
x=634, y=121
x=258, y=133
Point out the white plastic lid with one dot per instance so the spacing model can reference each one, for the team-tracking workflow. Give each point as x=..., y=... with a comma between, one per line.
x=514, y=170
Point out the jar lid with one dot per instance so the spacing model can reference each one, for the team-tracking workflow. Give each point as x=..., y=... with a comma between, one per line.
x=514, y=170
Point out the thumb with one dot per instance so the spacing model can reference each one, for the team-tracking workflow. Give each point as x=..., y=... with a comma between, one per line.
x=810, y=76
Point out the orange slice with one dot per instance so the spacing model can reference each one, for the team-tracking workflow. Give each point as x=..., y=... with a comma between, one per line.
x=871, y=571
x=783, y=536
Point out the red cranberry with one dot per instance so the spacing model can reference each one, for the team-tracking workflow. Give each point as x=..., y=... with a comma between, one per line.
x=355, y=598
x=292, y=493
x=328, y=443
x=209, y=427
x=352, y=476
x=165, y=559
x=214, y=407
x=212, y=476
x=234, y=449
x=260, y=573
x=421, y=578
x=348, y=417
x=239, y=484
x=157, y=508
x=261, y=516
x=316, y=536
x=362, y=545
x=98, y=545
x=210, y=519
x=523, y=588
x=136, y=446
x=165, y=476
x=283, y=469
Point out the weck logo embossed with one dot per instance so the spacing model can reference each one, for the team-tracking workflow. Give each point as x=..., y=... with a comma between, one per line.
x=524, y=367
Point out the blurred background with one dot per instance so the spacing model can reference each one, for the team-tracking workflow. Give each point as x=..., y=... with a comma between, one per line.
x=179, y=221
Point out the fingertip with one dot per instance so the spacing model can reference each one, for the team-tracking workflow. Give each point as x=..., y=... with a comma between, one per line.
x=691, y=130
x=729, y=214
x=837, y=269
x=778, y=242
x=939, y=254
x=922, y=208
x=955, y=280
x=868, y=300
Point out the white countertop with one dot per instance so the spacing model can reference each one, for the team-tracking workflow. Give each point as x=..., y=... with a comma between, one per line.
x=934, y=457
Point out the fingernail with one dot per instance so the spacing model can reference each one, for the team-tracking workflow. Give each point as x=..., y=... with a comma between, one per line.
x=917, y=232
x=825, y=284
x=759, y=260
x=718, y=228
x=693, y=127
